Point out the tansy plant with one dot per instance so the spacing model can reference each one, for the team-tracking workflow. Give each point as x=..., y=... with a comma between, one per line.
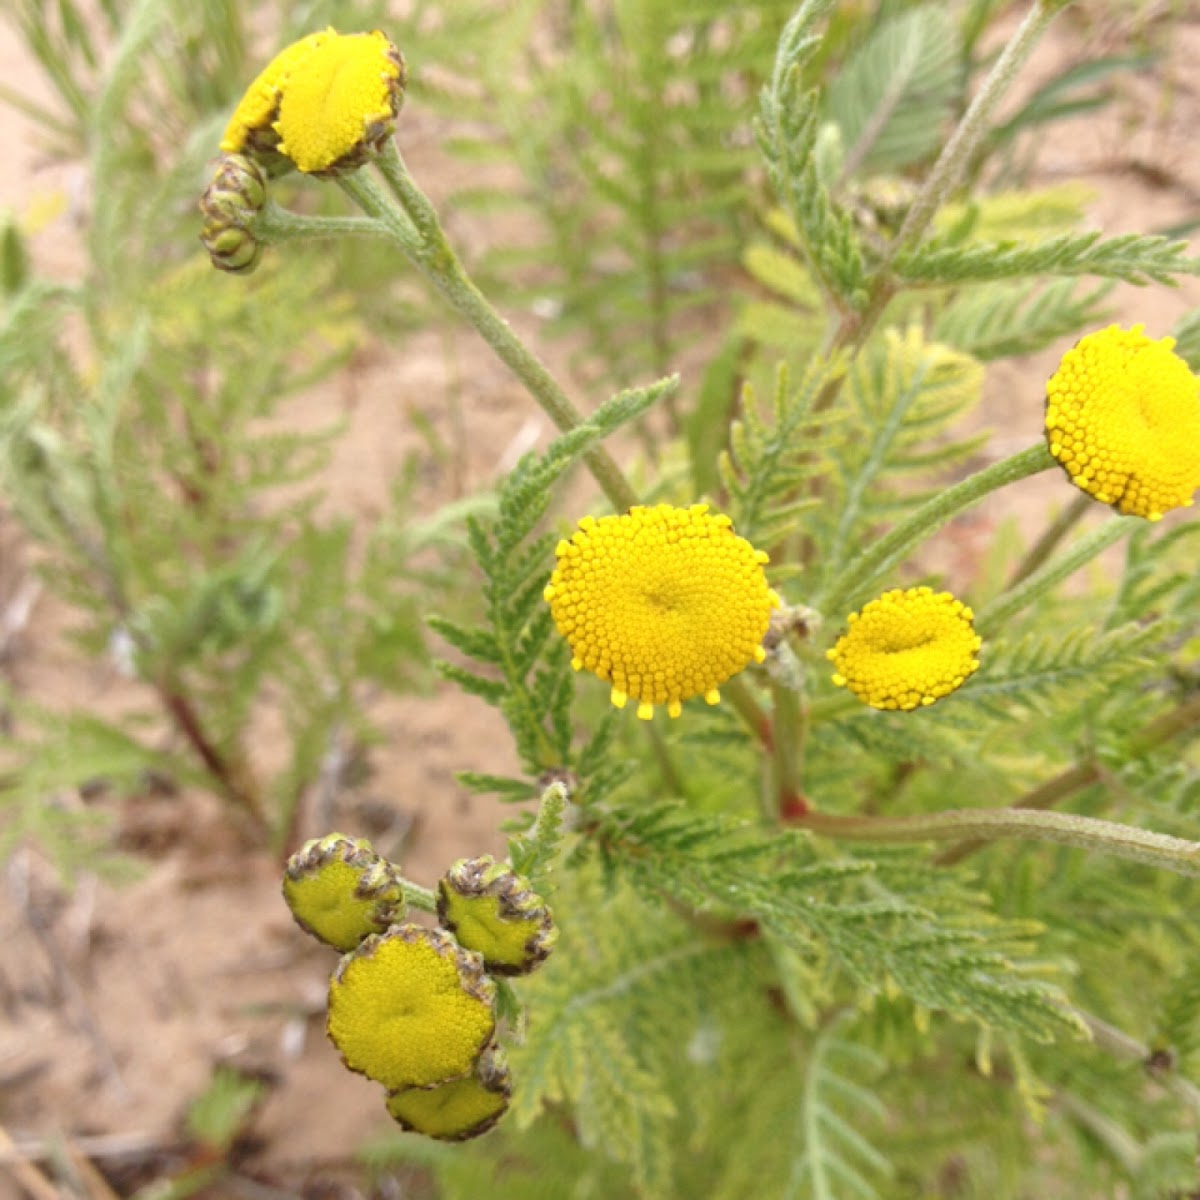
x=871, y=849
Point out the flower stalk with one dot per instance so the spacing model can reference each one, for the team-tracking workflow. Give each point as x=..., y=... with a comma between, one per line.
x=994, y=824
x=882, y=555
x=412, y=223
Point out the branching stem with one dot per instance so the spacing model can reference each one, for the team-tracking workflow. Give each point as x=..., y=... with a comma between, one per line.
x=993, y=824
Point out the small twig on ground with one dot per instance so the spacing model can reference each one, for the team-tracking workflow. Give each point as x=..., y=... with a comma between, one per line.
x=24, y=1172
x=17, y=613
x=69, y=989
x=24, y=1148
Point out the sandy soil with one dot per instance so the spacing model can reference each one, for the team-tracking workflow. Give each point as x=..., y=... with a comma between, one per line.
x=116, y=1003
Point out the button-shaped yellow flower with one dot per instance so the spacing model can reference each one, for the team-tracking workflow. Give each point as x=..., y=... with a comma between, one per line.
x=251, y=128
x=339, y=104
x=664, y=603
x=340, y=890
x=411, y=1008
x=326, y=103
x=1123, y=419
x=492, y=910
x=458, y=1110
x=906, y=649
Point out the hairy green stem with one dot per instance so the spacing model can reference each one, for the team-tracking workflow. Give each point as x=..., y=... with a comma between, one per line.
x=1050, y=538
x=434, y=257
x=419, y=897
x=788, y=751
x=1074, y=779
x=1121, y=1045
x=885, y=553
x=993, y=824
x=1008, y=604
x=952, y=163
x=274, y=225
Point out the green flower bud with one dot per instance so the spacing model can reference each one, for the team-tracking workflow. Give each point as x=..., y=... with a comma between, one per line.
x=491, y=909
x=230, y=203
x=340, y=890
x=461, y=1109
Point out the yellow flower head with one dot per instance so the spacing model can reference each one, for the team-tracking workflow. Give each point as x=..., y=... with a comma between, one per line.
x=250, y=129
x=907, y=648
x=664, y=603
x=326, y=103
x=411, y=1008
x=458, y=1110
x=1123, y=418
x=340, y=890
x=492, y=910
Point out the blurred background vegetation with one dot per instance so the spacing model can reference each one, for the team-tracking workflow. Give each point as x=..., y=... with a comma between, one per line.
x=599, y=161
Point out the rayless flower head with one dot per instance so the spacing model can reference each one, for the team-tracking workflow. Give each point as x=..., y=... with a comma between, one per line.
x=664, y=603
x=324, y=105
x=411, y=1008
x=461, y=1109
x=492, y=910
x=906, y=649
x=1123, y=419
x=340, y=890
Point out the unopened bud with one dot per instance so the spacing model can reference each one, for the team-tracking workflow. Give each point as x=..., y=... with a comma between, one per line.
x=230, y=204
x=340, y=890
x=491, y=909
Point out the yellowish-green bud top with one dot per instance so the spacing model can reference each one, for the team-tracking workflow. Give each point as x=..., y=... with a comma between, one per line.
x=340, y=890
x=458, y=1110
x=233, y=198
x=411, y=1008
x=491, y=909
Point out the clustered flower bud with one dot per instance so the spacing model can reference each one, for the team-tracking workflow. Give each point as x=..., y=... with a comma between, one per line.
x=230, y=204
x=340, y=890
x=494, y=911
x=415, y=1008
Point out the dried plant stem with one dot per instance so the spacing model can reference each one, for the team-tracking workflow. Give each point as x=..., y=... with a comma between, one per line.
x=233, y=778
x=24, y=1172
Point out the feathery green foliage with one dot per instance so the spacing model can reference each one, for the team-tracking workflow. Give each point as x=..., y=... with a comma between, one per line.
x=753, y=990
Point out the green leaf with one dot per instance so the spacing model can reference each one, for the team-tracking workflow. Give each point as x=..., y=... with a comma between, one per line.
x=894, y=95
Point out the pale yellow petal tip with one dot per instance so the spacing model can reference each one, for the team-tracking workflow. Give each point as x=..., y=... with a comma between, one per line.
x=548, y=593
x=577, y=664
x=645, y=711
x=760, y=655
x=619, y=698
x=712, y=697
